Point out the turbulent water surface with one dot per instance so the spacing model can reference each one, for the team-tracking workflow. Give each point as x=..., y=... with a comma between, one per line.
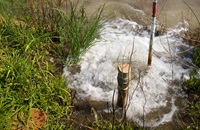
x=155, y=96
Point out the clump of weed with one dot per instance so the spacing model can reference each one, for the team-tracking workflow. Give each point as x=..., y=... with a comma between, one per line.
x=193, y=83
x=77, y=30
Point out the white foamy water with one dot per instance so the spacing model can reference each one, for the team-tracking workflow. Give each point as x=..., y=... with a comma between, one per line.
x=97, y=78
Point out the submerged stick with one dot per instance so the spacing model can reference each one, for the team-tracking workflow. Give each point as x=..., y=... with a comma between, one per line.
x=152, y=32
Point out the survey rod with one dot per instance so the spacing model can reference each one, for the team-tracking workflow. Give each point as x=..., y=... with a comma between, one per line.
x=152, y=32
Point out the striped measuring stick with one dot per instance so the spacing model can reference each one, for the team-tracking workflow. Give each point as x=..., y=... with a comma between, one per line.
x=152, y=32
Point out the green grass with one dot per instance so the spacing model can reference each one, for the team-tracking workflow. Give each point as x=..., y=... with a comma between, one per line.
x=26, y=80
x=30, y=36
x=70, y=25
x=77, y=30
x=196, y=57
x=192, y=86
x=27, y=77
x=193, y=83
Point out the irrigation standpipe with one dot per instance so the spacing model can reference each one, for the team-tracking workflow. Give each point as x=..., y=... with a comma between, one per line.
x=152, y=32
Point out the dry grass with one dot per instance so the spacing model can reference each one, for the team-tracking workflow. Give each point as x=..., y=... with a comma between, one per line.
x=192, y=36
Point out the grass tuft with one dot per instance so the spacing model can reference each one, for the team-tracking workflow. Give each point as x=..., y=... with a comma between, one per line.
x=78, y=31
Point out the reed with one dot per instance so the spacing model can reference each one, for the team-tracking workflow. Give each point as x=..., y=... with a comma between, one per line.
x=77, y=30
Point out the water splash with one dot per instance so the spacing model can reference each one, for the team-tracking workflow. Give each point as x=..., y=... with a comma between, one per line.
x=154, y=96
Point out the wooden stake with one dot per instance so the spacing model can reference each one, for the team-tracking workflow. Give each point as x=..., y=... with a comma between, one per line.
x=123, y=78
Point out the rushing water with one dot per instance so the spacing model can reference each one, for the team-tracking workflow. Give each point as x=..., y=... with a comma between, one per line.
x=154, y=96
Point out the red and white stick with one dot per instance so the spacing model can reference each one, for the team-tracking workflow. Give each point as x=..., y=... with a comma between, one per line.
x=152, y=32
